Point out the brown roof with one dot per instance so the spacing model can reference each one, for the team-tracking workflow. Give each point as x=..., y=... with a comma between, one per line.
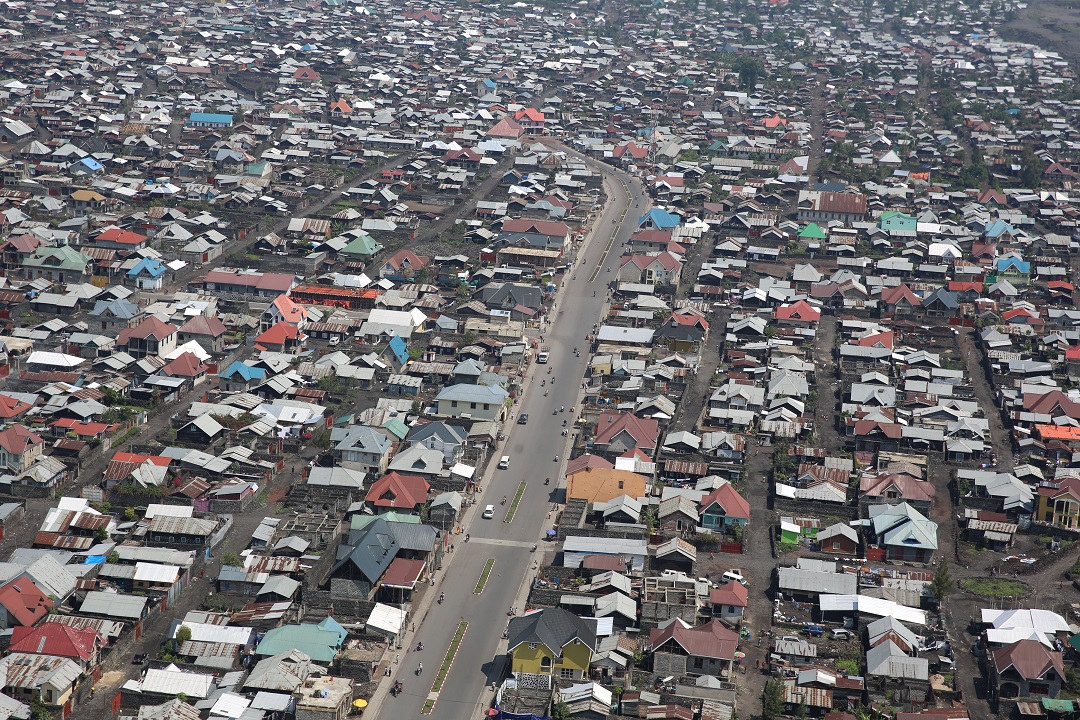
x=711, y=640
x=1029, y=658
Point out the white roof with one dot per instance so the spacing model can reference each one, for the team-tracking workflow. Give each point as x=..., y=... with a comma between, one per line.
x=1011, y=635
x=191, y=346
x=872, y=606
x=171, y=681
x=386, y=618
x=152, y=572
x=55, y=359
x=228, y=634
x=229, y=705
x=155, y=509
x=1042, y=620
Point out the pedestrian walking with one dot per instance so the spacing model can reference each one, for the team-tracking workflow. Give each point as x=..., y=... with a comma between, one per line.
x=397, y=659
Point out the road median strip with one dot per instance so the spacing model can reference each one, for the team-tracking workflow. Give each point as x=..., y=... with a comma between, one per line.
x=484, y=577
x=517, y=499
x=444, y=669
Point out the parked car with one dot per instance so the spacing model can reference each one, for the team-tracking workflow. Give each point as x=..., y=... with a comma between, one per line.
x=523, y=418
x=841, y=634
x=814, y=630
x=733, y=575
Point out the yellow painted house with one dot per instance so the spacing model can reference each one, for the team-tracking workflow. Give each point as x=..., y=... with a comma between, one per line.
x=551, y=642
x=1059, y=503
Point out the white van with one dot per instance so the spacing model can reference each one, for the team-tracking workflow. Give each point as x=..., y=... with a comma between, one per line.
x=733, y=576
x=542, y=358
x=504, y=462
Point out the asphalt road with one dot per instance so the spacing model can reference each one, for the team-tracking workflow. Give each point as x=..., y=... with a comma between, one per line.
x=532, y=449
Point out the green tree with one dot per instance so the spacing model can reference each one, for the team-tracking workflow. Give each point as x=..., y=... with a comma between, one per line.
x=39, y=710
x=773, y=700
x=942, y=583
x=560, y=711
x=101, y=534
x=1030, y=169
x=129, y=514
x=231, y=558
x=183, y=635
x=749, y=70
x=321, y=438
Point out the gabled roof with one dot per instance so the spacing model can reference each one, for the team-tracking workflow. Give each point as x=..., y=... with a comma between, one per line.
x=711, y=640
x=149, y=327
x=730, y=593
x=644, y=431
x=554, y=628
x=729, y=499
x=57, y=639
x=16, y=439
x=1029, y=659
x=398, y=491
x=25, y=601
x=202, y=325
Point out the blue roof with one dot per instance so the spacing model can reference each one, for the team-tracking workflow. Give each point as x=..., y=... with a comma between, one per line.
x=489, y=83
x=246, y=372
x=150, y=266
x=659, y=217
x=1007, y=262
x=998, y=228
x=400, y=349
x=92, y=163
x=216, y=118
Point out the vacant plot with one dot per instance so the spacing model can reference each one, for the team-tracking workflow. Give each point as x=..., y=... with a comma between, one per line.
x=995, y=587
x=1053, y=24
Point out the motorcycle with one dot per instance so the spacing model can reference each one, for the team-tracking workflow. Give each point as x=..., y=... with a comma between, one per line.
x=442, y=596
x=419, y=646
x=533, y=548
x=547, y=481
x=419, y=668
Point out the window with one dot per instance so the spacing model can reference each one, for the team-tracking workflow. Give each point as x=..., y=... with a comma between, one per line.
x=698, y=663
x=545, y=663
x=835, y=544
x=532, y=646
x=198, y=541
x=567, y=673
x=621, y=483
x=472, y=406
x=453, y=403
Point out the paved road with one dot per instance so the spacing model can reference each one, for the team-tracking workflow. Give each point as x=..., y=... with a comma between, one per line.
x=532, y=449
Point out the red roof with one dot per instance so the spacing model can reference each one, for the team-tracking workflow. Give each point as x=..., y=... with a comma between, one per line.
x=731, y=593
x=136, y=458
x=24, y=601
x=17, y=439
x=402, y=572
x=893, y=296
x=885, y=339
x=123, y=237
x=800, y=310
x=79, y=427
x=186, y=365
x=11, y=407
x=530, y=114
x=1073, y=353
x=643, y=430
x=57, y=639
x=727, y=497
x=589, y=461
x=711, y=640
x=407, y=258
x=539, y=227
x=1053, y=403
x=395, y=490
x=279, y=334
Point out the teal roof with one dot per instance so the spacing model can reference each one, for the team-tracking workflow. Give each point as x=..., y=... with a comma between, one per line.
x=359, y=522
x=813, y=230
x=64, y=257
x=364, y=245
x=319, y=642
x=398, y=428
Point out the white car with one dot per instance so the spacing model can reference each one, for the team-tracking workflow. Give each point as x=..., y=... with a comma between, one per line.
x=489, y=512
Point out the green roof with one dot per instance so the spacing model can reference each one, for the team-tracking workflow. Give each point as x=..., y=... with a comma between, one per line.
x=812, y=231
x=359, y=522
x=1057, y=705
x=319, y=642
x=64, y=257
x=364, y=245
x=397, y=427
